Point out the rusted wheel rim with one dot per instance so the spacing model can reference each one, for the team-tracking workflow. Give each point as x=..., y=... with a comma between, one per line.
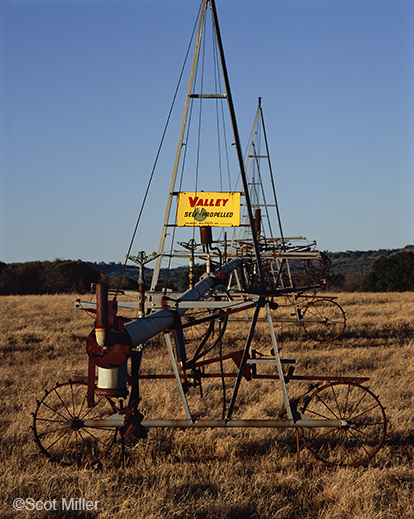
x=323, y=320
x=357, y=442
x=58, y=425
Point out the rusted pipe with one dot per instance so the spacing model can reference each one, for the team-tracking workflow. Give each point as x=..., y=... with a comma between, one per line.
x=257, y=220
x=102, y=315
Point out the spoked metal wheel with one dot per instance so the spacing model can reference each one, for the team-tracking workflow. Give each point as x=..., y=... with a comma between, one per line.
x=200, y=328
x=362, y=432
x=195, y=328
x=59, y=429
x=323, y=320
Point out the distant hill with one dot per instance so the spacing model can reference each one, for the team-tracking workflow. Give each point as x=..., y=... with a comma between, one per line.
x=131, y=272
x=358, y=262
x=349, y=268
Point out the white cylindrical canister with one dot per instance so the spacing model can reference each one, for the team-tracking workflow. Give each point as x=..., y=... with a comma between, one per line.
x=112, y=381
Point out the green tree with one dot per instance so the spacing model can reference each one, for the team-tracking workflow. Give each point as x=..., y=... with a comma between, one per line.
x=126, y=283
x=184, y=280
x=21, y=278
x=335, y=281
x=45, y=277
x=394, y=273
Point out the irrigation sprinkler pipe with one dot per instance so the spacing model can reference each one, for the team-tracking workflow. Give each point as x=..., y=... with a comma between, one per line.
x=143, y=329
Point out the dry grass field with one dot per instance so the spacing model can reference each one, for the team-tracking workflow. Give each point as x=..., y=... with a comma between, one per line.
x=212, y=473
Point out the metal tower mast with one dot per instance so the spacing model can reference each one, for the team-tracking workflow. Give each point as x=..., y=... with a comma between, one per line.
x=227, y=95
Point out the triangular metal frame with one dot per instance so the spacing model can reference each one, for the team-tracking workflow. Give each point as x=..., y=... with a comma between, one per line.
x=180, y=144
x=253, y=163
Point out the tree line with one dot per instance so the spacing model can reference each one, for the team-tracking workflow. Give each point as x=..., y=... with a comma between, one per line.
x=47, y=277
x=392, y=273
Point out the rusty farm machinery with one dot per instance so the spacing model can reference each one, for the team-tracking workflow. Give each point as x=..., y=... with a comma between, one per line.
x=246, y=277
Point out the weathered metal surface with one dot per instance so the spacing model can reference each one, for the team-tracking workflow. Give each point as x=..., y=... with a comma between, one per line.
x=142, y=330
x=115, y=355
x=117, y=420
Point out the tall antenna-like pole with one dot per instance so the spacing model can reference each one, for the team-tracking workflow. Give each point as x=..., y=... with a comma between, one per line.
x=237, y=143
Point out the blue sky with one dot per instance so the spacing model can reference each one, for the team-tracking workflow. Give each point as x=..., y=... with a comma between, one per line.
x=85, y=90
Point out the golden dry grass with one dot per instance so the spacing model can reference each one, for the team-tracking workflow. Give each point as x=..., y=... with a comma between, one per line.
x=211, y=473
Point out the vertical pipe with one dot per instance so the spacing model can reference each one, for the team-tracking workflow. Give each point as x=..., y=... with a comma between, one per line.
x=102, y=315
x=191, y=270
x=257, y=220
x=206, y=235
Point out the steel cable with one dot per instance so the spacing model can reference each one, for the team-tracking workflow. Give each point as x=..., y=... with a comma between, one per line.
x=157, y=156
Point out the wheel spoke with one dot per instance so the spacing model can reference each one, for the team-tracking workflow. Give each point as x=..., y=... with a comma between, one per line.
x=59, y=430
x=351, y=444
x=87, y=431
x=322, y=401
x=323, y=320
x=50, y=420
x=355, y=407
x=55, y=411
x=59, y=438
x=85, y=443
x=63, y=403
x=358, y=441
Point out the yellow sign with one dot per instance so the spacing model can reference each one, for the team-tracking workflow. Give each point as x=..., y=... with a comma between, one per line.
x=208, y=209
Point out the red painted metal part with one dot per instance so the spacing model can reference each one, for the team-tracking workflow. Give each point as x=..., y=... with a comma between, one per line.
x=310, y=378
x=247, y=373
x=119, y=350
